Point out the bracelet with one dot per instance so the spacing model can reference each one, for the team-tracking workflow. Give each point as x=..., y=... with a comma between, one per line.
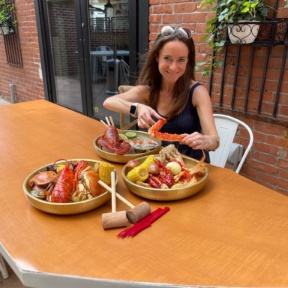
x=217, y=139
x=212, y=143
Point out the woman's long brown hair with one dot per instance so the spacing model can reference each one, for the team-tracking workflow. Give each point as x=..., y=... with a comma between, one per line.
x=151, y=76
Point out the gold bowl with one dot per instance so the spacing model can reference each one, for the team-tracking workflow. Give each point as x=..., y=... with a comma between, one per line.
x=64, y=208
x=126, y=157
x=166, y=194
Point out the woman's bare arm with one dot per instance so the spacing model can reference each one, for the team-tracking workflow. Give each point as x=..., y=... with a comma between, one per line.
x=209, y=140
x=122, y=103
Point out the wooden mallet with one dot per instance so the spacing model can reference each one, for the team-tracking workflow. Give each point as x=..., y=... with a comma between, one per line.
x=114, y=219
x=136, y=213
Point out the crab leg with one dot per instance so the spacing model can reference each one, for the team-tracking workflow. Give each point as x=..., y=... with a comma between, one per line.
x=154, y=132
x=200, y=166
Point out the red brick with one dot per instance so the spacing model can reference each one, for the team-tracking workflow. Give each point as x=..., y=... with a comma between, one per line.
x=155, y=19
x=282, y=190
x=283, y=173
x=266, y=148
x=248, y=172
x=169, y=19
x=265, y=158
x=277, y=140
x=163, y=9
x=273, y=180
x=185, y=7
x=262, y=166
x=270, y=128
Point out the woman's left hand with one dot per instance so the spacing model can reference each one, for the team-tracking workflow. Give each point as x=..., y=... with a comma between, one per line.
x=197, y=141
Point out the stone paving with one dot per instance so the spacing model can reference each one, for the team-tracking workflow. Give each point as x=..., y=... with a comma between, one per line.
x=3, y=102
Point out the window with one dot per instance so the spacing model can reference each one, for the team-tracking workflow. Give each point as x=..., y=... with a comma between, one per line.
x=11, y=38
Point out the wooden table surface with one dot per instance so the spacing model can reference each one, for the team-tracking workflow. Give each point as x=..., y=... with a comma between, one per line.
x=233, y=233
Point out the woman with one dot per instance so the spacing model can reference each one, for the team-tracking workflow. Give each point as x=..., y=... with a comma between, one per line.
x=166, y=88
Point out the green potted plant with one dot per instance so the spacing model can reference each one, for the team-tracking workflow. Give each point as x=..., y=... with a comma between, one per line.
x=228, y=14
x=6, y=20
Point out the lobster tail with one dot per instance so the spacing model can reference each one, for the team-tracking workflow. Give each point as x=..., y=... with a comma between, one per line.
x=64, y=186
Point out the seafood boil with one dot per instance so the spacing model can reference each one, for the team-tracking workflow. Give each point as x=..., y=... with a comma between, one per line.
x=166, y=171
x=70, y=182
x=124, y=143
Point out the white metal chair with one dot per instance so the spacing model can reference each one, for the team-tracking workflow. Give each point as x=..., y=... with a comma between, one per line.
x=103, y=59
x=227, y=127
x=124, y=72
x=99, y=61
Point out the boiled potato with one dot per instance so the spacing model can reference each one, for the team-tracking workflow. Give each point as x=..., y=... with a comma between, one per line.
x=174, y=167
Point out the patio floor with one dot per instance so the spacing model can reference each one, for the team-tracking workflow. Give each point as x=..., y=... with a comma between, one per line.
x=12, y=281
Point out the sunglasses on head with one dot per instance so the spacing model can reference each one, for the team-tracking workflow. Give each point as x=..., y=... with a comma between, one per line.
x=180, y=32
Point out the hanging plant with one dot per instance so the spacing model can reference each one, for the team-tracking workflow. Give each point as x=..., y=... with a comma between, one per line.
x=7, y=24
x=227, y=13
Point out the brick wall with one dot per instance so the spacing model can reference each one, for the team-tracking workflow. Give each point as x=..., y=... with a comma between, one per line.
x=267, y=162
x=108, y=39
x=27, y=79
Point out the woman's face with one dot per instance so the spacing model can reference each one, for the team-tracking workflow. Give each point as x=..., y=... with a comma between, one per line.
x=172, y=60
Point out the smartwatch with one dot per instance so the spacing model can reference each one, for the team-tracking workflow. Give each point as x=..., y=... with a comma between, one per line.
x=133, y=109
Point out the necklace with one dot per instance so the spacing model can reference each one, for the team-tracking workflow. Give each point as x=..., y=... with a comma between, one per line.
x=168, y=95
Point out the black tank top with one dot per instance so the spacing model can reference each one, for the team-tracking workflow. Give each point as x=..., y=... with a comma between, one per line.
x=186, y=122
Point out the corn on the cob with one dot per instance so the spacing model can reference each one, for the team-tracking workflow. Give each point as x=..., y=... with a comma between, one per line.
x=149, y=160
x=104, y=172
x=140, y=173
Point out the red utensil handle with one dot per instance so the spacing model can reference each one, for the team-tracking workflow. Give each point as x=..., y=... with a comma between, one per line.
x=144, y=223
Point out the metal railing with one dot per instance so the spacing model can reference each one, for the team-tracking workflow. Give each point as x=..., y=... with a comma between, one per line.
x=11, y=40
x=240, y=91
x=109, y=24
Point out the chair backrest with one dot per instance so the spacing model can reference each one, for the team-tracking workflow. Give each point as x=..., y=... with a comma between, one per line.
x=122, y=89
x=104, y=48
x=227, y=127
x=124, y=72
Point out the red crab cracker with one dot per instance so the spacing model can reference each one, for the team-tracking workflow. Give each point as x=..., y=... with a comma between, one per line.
x=144, y=223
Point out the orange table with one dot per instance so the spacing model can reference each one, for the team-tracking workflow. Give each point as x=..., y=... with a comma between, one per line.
x=233, y=233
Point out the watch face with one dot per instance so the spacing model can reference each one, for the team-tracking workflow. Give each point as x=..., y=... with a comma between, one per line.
x=133, y=109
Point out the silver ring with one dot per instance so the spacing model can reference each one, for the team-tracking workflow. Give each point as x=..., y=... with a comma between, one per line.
x=197, y=142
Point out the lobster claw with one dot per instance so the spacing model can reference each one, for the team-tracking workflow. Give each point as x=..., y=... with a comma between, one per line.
x=110, y=141
x=90, y=178
x=105, y=144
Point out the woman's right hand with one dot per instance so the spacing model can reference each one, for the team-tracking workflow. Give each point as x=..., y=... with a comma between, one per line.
x=145, y=114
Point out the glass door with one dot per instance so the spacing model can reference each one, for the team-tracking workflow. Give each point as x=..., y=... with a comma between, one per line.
x=109, y=50
x=65, y=53
x=88, y=48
